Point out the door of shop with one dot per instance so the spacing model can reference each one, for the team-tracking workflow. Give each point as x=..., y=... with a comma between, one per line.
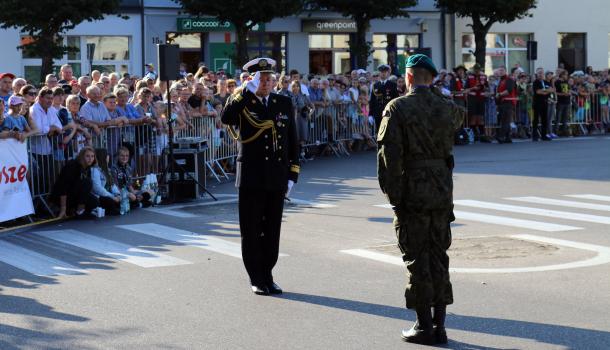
x=320, y=62
x=191, y=48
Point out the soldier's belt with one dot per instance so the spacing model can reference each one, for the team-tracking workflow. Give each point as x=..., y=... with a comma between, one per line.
x=426, y=163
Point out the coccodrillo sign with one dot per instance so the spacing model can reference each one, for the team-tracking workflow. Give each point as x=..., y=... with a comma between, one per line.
x=199, y=25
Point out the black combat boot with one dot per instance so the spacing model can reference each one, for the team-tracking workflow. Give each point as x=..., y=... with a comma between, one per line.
x=440, y=334
x=422, y=331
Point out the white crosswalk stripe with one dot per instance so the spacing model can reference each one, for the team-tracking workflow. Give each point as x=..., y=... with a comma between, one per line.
x=505, y=221
x=187, y=238
x=595, y=197
x=562, y=203
x=35, y=263
x=534, y=211
x=113, y=249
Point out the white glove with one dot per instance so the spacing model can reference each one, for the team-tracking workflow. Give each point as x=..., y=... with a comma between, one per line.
x=290, y=184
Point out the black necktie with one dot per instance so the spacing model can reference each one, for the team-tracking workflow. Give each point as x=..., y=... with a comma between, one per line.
x=265, y=101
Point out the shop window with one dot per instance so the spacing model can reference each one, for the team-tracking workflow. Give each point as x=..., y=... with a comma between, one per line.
x=341, y=41
x=320, y=41
x=390, y=49
x=272, y=45
x=110, y=48
x=503, y=50
x=571, y=51
x=185, y=40
x=74, y=42
x=111, y=55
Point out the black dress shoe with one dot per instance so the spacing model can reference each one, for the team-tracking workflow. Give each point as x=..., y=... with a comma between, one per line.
x=274, y=288
x=260, y=290
x=440, y=335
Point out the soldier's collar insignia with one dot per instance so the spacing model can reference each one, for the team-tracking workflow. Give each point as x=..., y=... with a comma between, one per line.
x=273, y=100
x=253, y=101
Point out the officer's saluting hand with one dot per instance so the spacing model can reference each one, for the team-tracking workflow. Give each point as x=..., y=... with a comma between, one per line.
x=267, y=167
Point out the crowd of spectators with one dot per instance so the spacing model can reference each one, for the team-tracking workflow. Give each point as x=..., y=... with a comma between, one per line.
x=502, y=105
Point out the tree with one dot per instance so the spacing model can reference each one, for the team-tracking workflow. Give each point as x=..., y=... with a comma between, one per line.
x=362, y=12
x=243, y=14
x=484, y=13
x=47, y=20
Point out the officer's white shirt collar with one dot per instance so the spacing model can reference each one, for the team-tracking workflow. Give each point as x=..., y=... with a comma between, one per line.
x=260, y=98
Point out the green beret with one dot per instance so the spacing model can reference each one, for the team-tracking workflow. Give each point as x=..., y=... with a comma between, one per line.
x=421, y=61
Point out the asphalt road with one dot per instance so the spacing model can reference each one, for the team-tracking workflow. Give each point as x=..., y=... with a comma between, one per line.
x=531, y=258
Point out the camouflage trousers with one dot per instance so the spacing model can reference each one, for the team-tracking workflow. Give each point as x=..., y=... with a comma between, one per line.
x=423, y=238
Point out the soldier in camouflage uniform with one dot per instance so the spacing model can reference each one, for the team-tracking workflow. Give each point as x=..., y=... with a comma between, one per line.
x=415, y=165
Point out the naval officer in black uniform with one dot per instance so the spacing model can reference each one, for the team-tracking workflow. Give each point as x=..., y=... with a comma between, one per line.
x=267, y=168
x=383, y=92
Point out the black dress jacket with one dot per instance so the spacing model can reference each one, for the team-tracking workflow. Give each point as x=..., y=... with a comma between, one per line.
x=269, y=149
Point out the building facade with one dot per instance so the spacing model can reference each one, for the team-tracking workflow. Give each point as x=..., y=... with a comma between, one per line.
x=566, y=32
x=315, y=42
x=574, y=34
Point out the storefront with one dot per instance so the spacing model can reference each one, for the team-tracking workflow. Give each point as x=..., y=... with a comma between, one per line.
x=115, y=51
x=328, y=44
x=566, y=36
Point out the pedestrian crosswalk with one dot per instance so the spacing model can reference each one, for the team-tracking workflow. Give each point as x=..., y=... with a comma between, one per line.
x=591, y=214
x=585, y=209
x=45, y=252
x=42, y=253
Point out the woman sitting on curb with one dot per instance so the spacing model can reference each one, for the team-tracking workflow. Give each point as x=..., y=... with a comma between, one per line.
x=72, y=190
x=104, y=188
x=121, y=174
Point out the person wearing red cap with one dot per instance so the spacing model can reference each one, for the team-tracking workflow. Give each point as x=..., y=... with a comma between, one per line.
x=6, y=88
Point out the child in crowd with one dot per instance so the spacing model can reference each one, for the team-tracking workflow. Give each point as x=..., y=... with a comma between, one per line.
x=122, y=175
x=14, y=123
x=104, y=188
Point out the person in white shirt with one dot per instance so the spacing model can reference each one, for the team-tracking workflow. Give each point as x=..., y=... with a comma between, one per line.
x=44, y=116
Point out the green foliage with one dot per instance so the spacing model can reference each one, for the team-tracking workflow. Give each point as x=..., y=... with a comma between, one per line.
x=52, y=18
x=484, y=13
x=244, y=14
x=46, y=20
x=502, y=11
x=368, y=9
x=362, y=11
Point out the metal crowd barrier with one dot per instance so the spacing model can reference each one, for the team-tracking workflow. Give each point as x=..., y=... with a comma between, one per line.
x=586, y=114
x=335, y=126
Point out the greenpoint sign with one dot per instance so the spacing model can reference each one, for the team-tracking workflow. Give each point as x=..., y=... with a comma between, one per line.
x=201, y=25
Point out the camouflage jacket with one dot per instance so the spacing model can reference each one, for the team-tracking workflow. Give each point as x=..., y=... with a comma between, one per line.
x=418, y=129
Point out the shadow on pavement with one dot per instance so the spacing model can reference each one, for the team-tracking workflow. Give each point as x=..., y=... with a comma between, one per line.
x=16, y=305
x=571, y=337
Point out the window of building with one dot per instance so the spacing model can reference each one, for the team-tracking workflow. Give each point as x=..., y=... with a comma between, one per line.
x=390, y=48
x=571, y=51
x=112, y=54
x=329, y=53
x=273, y=45
x=502, y=49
